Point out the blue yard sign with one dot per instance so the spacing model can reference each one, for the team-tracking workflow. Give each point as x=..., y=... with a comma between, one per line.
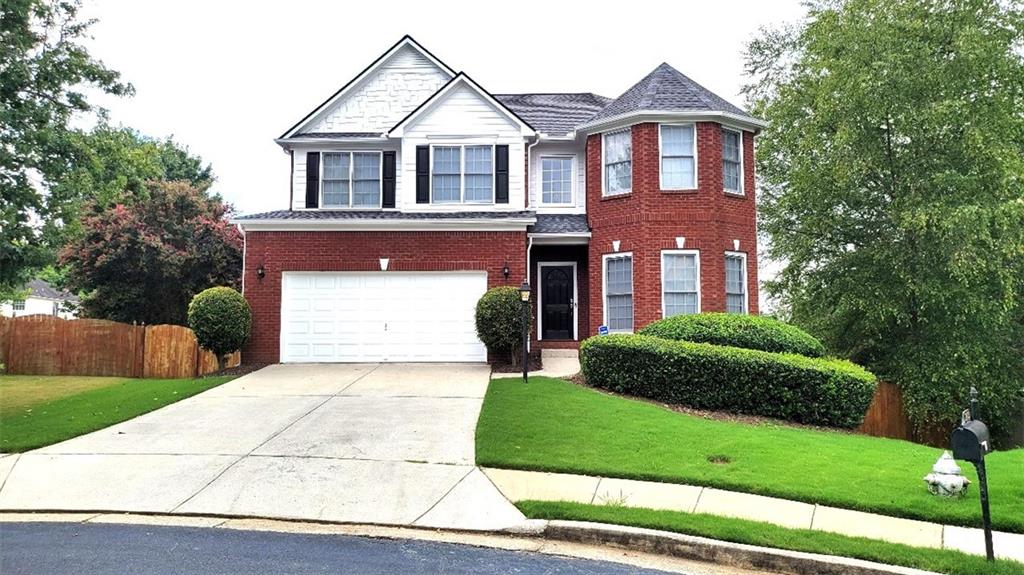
x=602, y=330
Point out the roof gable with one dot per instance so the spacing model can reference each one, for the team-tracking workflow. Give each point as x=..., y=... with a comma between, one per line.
x=383, y=93
x=464, y=88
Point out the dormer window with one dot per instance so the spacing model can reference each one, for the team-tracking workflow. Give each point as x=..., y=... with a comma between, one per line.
x=350, y=180
x=462, y=174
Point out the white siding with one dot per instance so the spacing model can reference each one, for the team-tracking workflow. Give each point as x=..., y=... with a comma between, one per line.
x=578, y=153
x=34, y=305
x=381, y=100
x=299, y=173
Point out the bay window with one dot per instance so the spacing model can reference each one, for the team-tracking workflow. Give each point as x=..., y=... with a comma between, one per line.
x=680, y=282
x=732, y=161
x=618, y=292
x=618, y=162
x=735, y=282
x=678, y=156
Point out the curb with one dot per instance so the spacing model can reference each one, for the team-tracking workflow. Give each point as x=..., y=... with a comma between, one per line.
x=715, y=551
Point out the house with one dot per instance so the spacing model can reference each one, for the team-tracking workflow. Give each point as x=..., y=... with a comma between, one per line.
x=43, y=299
x=413, y=190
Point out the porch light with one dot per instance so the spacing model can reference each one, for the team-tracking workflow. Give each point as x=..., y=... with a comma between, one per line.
x=261, y=271
x=505, y=271
x=524, y=292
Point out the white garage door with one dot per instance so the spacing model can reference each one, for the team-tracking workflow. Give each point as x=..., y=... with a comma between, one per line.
x=380, y=316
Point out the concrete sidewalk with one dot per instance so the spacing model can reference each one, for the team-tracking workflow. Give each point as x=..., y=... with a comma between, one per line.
x=523, y=485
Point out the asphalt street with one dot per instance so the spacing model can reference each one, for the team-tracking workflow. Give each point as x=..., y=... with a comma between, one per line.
x=100, y=549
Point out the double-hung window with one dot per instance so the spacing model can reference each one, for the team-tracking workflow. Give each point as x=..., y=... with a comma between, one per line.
x=680, y=282
x=618, y=292
x=678, y=157
x=732, y=161
x=618, y=162
x=556, y=180
x=19, y=305
x=462, y=174
x=735, y=282
x=350, y=180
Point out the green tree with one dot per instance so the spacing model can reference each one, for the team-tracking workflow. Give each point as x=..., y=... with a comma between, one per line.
x=892, y=178
x=44, y=74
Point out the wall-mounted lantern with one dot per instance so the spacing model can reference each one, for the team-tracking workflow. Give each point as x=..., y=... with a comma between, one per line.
x=261, y=272
x=505, y=271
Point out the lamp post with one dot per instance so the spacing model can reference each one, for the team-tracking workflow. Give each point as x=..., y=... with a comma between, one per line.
x=524, y=296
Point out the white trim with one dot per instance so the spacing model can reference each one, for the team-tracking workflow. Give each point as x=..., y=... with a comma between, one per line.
x=290, y=143
x=460, y=79
x=358, y=80
x=574, y=304
x=351, y=180
x=462, y=175
x=604, y=175
x=742, y=190
x=696, y=185
x=604, y=287
x=629, y=118
x=746, y=292
x=397, y=225
x=696, y=255
x=574, y=238
x=572, y=181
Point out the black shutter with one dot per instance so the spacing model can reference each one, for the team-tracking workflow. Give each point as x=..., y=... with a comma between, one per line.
x=388, y=180
x=422, y=174
x=312, y=179
x=501, y=174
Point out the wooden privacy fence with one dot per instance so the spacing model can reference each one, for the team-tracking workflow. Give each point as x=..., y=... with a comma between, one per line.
x=47, y=345
x=886, y=416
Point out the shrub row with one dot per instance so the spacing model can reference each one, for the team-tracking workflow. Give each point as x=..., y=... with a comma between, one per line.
x=829, y=392
x=737, y=330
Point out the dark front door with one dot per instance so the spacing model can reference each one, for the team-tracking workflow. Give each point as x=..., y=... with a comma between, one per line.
x=556, y=293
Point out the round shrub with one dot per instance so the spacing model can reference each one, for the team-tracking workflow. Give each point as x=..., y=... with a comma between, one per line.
x=221, y=320
x=499, y=321
x=737, y=330
x=829, y=392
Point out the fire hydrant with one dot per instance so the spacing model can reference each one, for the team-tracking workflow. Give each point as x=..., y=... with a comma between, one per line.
x=946, y=478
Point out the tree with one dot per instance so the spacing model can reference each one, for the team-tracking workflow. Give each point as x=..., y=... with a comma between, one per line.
x=143, y=262
x=892, y=179
x=44, y=72
x=221, y=320
x=499, y=321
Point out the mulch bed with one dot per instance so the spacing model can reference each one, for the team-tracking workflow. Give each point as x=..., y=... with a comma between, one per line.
x=238, y=370
x=505, y=366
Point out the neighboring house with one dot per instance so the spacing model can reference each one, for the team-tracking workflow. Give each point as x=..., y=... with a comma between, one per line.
x=43, y=299
x=413, y=190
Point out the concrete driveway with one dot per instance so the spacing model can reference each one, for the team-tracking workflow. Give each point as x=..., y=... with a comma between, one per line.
x=366, y=443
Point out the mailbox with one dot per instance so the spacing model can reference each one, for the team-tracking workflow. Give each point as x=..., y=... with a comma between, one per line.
x=970, y=441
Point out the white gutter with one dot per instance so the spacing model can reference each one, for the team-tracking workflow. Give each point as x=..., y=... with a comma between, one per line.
x=635, y=117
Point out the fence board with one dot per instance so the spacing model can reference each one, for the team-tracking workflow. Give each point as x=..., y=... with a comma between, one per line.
x=886, y=416
x=35, y=345
x=99, y=347
x=208, y=361
x=171, y=352
x=5, y=344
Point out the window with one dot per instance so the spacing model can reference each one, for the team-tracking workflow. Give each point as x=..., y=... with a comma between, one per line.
x=556, y=180
x=680, y=282
x=350, y=180
x=19, y=305
x=462, y=174
x=732, y=161
x=618, y=163
x=678, y=157
x=618, y=292
x=735, y=282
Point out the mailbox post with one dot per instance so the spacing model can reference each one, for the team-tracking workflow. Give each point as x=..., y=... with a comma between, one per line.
x=970, y=442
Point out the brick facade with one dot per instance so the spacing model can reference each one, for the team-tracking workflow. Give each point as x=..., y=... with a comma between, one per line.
x=648, y=219
x=361, y=251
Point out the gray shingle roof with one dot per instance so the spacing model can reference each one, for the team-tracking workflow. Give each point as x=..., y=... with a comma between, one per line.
x=554, y=114
x=40, y=288
x=380, y=215
x=338, y=135
x=667, y=89
x=559, y=224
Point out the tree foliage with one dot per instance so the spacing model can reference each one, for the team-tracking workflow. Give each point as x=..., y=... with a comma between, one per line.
x=145, y=261
x=44, y=74
x=499, y=321
x=221, y=320
x=892, y=179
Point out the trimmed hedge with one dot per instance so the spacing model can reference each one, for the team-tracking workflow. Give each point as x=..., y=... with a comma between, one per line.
x=221, y=320
x=828, y=392
x=737, y=330
x=499, y=320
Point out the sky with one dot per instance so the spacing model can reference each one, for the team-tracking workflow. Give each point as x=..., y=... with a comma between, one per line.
x=225, y=78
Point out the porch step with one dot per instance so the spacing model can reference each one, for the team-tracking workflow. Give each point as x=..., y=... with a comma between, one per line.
x=559, y=353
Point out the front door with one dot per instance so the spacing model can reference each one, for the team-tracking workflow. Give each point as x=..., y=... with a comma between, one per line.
x=557, y=284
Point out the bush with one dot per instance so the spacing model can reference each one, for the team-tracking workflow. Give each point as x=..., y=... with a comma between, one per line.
x=499, y=321
x=828, y=392
x=221, y=320
x=737, y=330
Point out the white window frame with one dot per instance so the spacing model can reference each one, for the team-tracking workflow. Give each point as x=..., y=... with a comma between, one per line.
x=741, y=191
x=351, y=180
x=696, y=172
x=462, y=174
x=696, y=257
x=18, y=305
x=604, y=287
x=746, y=292
x=572, y=180
x=604, y=166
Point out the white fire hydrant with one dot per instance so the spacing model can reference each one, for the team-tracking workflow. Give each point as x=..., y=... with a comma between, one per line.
x=946, y=478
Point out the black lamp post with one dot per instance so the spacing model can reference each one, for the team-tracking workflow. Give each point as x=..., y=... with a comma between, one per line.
x=524, y=296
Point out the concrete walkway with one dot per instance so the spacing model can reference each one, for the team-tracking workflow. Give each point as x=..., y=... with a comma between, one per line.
x=524, y=485
x=383, y=444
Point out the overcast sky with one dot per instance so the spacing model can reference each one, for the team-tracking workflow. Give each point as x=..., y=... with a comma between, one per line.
x=225, y=78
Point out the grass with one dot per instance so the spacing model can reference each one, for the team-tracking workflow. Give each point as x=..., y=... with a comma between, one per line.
x=38, y=411
x=553, y=425
x=768, y=535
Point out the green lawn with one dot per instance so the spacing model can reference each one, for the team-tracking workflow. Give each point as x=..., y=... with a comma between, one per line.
x=768, y=535
x=554, y=425
x=37, y=410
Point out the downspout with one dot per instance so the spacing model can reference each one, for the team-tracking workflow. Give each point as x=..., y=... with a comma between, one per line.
x=529, y=181
x=245, y=249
